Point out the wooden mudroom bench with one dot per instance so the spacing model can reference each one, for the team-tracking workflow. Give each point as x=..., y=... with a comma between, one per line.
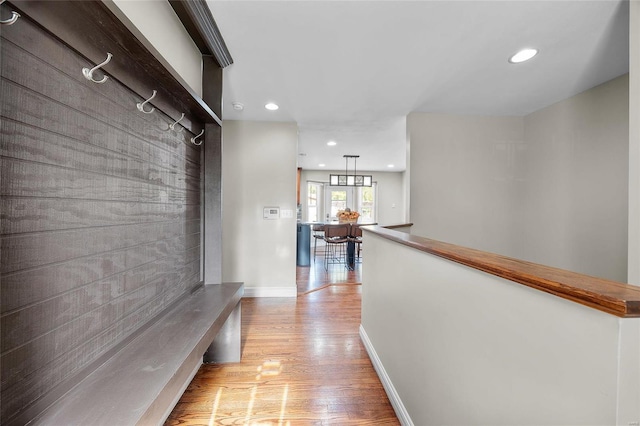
x=141, y=383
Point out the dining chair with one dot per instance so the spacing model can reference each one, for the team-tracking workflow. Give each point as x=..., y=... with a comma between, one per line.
x=336, y=238
x=355, y=236
x=318, y=234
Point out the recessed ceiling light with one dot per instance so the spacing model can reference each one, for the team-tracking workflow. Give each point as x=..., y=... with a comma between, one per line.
x=523, y=55
x=237, y=106
x=271, y=106
x=390, y=166
x=332, y=143
x=321, y=165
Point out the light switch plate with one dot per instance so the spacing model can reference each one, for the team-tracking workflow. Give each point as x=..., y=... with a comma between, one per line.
x=286, y=213
x=271, y=213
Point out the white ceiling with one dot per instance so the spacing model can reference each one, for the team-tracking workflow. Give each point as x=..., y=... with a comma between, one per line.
x=351, y=71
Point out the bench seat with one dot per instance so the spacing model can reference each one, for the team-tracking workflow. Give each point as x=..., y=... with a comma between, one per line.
x=142, y=382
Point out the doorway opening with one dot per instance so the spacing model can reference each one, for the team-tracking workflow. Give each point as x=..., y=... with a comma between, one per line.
x=321, y=205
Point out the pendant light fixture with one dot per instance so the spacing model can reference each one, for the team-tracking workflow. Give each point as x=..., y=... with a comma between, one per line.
x=350, y=180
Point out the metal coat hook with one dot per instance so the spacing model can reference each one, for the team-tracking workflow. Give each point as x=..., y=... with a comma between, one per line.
x=173, y=126
x=14, y=17
x=141, y=105
x=193, y=139
x=88, y=73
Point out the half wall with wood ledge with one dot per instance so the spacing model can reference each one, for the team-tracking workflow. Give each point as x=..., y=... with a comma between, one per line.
x=460, y=336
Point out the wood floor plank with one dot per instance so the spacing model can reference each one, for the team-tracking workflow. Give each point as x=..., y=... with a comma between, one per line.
x=302, y=363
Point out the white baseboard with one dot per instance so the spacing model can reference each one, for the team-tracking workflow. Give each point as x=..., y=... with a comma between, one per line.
x=394, y=398
x=270, y=292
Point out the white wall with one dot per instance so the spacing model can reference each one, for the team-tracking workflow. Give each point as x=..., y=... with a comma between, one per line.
x=406, y=182
x=462, y=347
x=259, y=170
x=629, y=404
x=157, y=26
x=463, y=177
x=634, y=142
x=574, y=198
x=391, y=193
x=550, y=187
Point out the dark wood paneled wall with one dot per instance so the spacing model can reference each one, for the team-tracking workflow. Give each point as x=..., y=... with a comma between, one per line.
x=100, y=215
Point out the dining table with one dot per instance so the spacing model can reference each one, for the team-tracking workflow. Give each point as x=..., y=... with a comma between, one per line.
x=351, y=243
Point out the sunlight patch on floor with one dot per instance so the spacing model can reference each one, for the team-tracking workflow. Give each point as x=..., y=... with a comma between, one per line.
x=267, y=369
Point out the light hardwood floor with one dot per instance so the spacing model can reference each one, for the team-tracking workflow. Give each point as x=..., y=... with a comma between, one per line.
x=302, y=363
x=315, y=277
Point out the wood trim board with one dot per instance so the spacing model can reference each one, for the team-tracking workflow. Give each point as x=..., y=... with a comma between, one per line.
x=199, y=23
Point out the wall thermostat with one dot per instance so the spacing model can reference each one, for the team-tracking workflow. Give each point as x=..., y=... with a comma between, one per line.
x=271, y=213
